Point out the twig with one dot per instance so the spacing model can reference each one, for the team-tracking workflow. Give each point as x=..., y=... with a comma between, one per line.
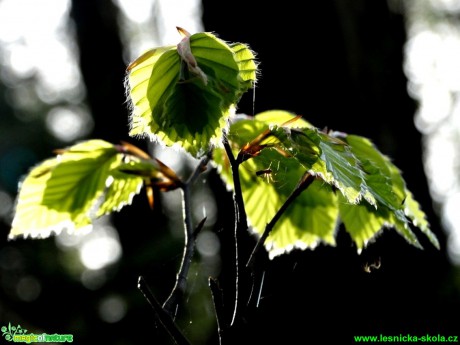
x=240, y=212
x=190, y=237
x=164, y=318
x=200, y=168
x=218, y=301
x=303, y=184
x=165, y=313
x=240, y=216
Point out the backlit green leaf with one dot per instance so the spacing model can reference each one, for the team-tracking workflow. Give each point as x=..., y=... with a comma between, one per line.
x=364, y=222
x=384, y=182
x=343, y=167
x=417, y=216
x=183, y=95
x=267, y=180
x=303, y=144
x=72, y=189
x=389, y=188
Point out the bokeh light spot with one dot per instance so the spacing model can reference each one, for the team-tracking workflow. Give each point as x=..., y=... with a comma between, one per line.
x=112, y=309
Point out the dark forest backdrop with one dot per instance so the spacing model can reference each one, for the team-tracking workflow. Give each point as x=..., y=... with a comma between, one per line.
x=337, y=63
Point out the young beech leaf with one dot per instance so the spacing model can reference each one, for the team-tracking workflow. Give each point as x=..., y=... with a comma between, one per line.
x=67, y=192
x=385, y=182
x=183, y=95
x=328, y=158
x=311, y=219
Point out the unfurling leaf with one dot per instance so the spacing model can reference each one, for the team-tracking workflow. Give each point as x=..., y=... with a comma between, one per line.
x=183, y=95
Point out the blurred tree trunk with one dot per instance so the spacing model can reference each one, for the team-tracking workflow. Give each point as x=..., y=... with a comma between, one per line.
x=102, y=66
x=103, y=70
x=140, y=229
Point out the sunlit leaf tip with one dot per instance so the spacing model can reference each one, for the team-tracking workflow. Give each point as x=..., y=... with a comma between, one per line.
x=418, y=218
x=183, y=32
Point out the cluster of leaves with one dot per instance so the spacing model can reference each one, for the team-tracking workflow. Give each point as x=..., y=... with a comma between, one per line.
x=185, y=96
x=353, y=183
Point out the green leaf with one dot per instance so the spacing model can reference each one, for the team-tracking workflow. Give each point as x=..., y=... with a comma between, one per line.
x=183, y=95
x=268, y=179
x=386, y=183
x=344, y=169
x=382, y=178
x=247, y=66
x=311, y=219
x=282, y=118
x=72, y=189
x=361, y=221
x=119, y=193
x=303, y=144
x=414, y=212
x=364, y=222
x=330, y=159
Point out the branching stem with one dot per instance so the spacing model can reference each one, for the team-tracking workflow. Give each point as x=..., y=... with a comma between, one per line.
x=190, y=236
x=240, y=211
x=189, y=249
x=164, y=317
x=240, y=215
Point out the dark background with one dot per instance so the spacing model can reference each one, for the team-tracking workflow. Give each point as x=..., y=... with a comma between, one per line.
x=337, y=63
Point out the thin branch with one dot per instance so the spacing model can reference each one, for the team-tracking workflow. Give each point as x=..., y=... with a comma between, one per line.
x=189, y=248
x=199, y=227
x=228, y=151
x=240, y=212
x=162, y=316
x=200, y=168
x=218, y=301
x=165, y=313
x=190, y=237
x=240, y=216
x=303, y=184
